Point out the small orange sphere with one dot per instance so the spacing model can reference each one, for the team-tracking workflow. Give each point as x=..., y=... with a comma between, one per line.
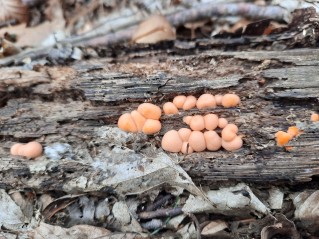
x=126, y=123
x=314, y=117
x=233, y=145
x=213, y=141
x=172, y=142
x=197, y=141
x=151, y=126
x=293, y=131
x=150, y=111
x=179, y=101
x=187, y=119
x=190, y=102
x=184, y=133
x=14, y=150
x=211, y=121
x=282, y=138
x=218, y=99
x=31, y=150
x=170, y=108
x=206, y=101
x=197, y=123
x=230, y=100
x=222, y=122
x=229, y=132
x=186, y=148
x=138, y=119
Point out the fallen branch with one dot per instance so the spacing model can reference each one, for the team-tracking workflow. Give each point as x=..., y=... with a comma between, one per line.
x=32, y=53
x=197, y=13
x=167, y=212
x=159, y=203
x=248, y=10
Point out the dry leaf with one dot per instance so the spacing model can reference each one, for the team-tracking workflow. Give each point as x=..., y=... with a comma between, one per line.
x=8, y=48
x=44, y=201
x=238, y=200
x=11, y=216
x=80, y=231
x=276, y=198
x=307, y=210
x=36, y=36
x=214, y=227
x=187, y=231
x=31, y=36
x=25, y=202
x=153, y=30
x=283, y=227
x=58, y=205
x=13, y=9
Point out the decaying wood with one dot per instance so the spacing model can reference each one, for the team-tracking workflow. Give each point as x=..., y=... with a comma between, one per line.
x=67, y=104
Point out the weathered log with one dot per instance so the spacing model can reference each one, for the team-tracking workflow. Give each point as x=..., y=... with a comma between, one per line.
x=68, y=104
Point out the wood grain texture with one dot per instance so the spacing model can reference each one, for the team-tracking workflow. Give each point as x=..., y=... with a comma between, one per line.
x=277, y=89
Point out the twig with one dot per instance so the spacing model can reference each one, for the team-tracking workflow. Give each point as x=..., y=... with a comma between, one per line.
x=153, y=224
x=157, y=224
x=108, y=39
x=208, y=10
x=32, y=53
x=120, y=235
x=167, y=212
x=108, y=27
x=197, y=13
x=159, y=203
x=124, y=19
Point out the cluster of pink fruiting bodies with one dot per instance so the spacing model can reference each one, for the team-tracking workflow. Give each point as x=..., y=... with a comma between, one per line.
x=200, y=136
